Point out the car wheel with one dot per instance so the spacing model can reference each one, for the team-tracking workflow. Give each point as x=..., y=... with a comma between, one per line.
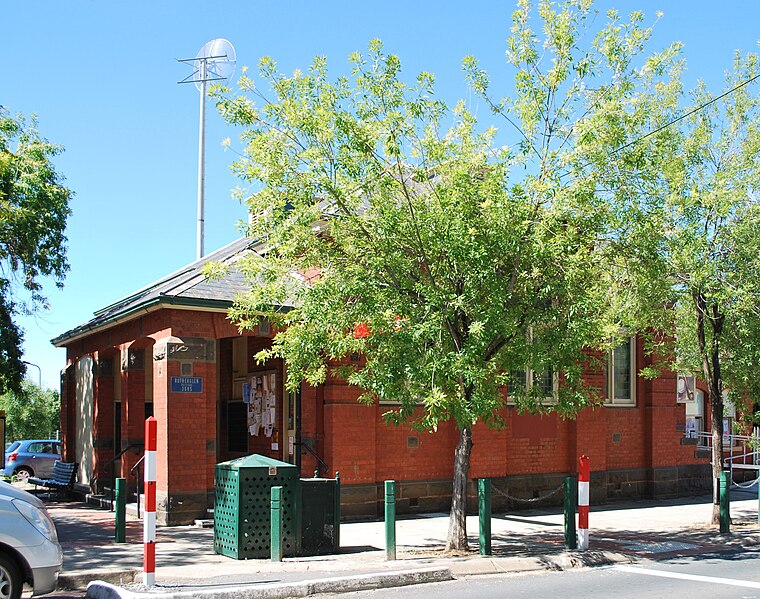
x=10, y=578
x=22, y=475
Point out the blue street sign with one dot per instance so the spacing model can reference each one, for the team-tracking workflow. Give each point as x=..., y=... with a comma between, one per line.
x=187, y=384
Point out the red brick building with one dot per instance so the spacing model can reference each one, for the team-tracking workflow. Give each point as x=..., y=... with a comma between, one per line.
x=169, y=351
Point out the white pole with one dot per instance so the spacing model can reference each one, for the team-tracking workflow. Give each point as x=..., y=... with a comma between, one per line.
x=149, y=515
x=201, y=162
x=584, y=478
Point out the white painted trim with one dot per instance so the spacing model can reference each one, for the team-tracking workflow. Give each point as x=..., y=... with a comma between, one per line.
x=149, y=527
x=150, y=466
x=583, y=492
x=583, y=539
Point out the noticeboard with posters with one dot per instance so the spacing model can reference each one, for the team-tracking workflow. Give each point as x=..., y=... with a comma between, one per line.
x=260, y=395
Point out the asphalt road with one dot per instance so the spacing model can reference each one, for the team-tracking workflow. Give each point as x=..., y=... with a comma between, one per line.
x=722, y=576
x=64, y=595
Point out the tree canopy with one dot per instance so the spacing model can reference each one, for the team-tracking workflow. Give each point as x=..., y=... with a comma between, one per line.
x=454, y=256
x=34, y=207
x=707, y=213
x=32, y=413
x=713, y=231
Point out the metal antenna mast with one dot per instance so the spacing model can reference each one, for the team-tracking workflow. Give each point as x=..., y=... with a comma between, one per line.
x=215, y=62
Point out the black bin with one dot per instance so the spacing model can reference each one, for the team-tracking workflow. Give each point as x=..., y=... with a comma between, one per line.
x=320, y=516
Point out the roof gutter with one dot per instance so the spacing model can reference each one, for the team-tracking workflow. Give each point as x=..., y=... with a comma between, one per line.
x=146, y=308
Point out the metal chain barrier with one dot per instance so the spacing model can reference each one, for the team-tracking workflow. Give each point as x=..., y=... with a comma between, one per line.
x=747, y=485
x=533, y=500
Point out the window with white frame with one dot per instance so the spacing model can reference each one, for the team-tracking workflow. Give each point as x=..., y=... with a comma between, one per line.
x=544, y=382
x=621, y=374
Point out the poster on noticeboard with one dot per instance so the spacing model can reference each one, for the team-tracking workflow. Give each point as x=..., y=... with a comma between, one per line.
x=261, y=393
x=685, y=388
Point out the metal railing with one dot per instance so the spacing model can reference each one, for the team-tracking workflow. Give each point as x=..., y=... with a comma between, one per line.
x=320, y=462
x=743, y=450
x=137, y=481
x=110, y=467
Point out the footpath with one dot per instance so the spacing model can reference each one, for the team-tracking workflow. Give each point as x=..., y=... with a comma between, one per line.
x=528, y=540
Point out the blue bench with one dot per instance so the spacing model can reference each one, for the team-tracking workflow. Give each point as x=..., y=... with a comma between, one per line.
x=62, y=478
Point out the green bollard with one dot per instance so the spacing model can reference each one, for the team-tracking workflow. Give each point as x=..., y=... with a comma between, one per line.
x=337, y=511
x=725, y=501
x=120, y=534
x=276, y=524
x=390, y=520
x=571, y=507
x=484, y=515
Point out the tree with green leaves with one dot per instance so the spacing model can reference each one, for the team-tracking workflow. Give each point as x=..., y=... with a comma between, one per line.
x=34, y=207
x=454, y=257
x=32, y=413
x=709, y=214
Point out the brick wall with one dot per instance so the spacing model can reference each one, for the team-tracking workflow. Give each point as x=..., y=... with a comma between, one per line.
x=634, y=451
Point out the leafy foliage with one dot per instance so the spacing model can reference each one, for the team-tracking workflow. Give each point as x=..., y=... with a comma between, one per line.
x=399, y=228
x=714, y=221
x=32, y=413
x=34, y=206
x=709, y=215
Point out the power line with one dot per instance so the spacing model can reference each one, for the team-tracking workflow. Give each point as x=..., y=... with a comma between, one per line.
x=675, y=120
x=683, y=116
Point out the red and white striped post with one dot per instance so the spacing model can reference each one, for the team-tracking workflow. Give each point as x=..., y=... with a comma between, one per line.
x=149, y=514
x=584, y=474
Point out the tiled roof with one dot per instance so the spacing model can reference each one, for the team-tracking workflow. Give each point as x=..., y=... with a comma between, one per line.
x=186, y=286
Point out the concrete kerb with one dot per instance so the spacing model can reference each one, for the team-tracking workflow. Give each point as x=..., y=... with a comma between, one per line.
x=110, y=589
x=80, y=580
x=342, y=584
x=562, y=561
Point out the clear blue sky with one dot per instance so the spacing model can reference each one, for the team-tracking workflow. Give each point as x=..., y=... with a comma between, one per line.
x=102, y=78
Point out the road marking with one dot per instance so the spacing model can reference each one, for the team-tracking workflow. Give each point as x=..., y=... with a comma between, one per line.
x=694, y=577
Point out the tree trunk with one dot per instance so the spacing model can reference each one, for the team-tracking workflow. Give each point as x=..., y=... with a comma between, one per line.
x=710, y=353
x=457, y=537
x=716, y=399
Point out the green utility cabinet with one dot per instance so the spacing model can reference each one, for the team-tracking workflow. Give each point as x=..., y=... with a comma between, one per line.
x=242, y=491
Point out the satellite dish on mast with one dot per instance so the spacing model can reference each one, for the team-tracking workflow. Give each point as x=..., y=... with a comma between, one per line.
x=214, y=62
x=219, y=55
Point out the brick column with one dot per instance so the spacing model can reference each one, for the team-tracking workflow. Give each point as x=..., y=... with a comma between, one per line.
x=663, y=434
x=591, y=440
x=103, y=417
x=132, y=408
x=185, y=400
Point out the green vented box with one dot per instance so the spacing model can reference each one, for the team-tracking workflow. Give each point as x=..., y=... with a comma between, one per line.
x=242, y=492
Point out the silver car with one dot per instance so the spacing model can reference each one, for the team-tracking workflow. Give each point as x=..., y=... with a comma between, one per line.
x=29, y=548
x=31, y=457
